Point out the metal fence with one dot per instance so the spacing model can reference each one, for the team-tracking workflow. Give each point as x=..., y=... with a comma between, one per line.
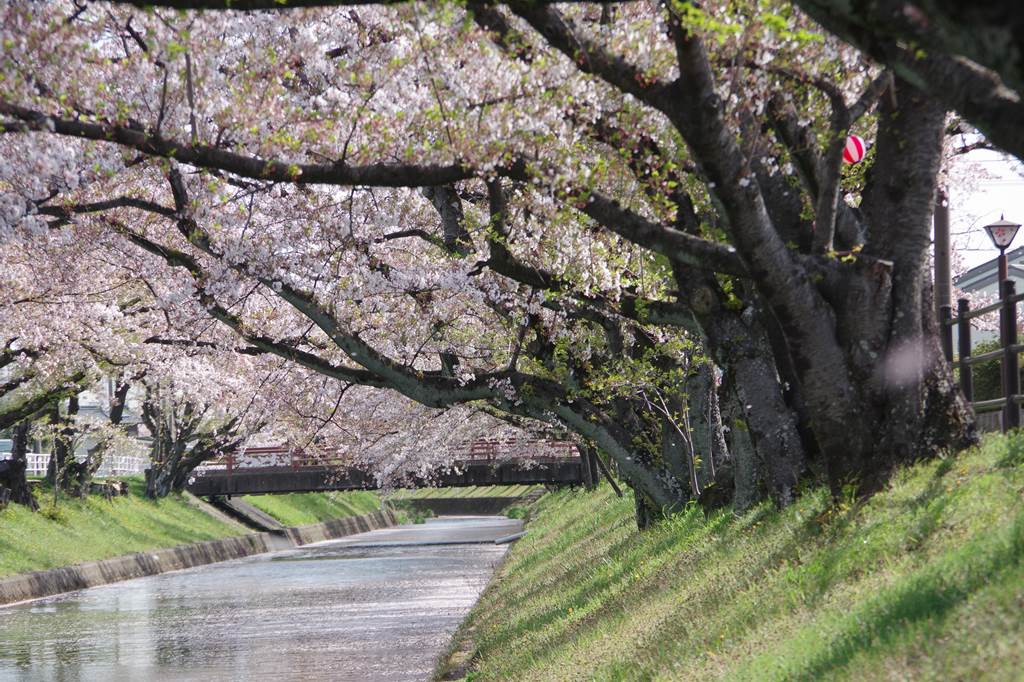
x=113, y=465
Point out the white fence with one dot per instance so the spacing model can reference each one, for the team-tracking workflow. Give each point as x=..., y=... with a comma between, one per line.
x=113, y=465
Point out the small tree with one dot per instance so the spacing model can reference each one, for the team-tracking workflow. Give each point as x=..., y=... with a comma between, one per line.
x=185, y=434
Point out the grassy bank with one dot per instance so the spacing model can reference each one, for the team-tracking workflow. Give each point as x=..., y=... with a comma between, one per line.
x=91, y=529
x=300, y=509
x=923, y=581
x=470, y=491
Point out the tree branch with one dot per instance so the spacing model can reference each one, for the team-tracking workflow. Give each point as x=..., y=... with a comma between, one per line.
x=64, y=213
x=971, y=88
x=205, y=156
x=589, y=56
x=670, y=242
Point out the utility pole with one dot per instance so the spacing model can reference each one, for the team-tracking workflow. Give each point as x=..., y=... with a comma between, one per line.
x=943, y=254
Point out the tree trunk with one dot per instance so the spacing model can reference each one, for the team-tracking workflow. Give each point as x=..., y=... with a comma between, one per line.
x=905, y=405
x=705, y=419
x=61, y=472
x=165, y=464
x=80, y=474
x=170, y=474
x=748, y=471
x=675, y=445
x=15, y=478
x=748, y=357
x=160, y=479
x=646, y=513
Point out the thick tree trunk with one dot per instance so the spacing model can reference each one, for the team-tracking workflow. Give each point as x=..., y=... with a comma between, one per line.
x=160, y=479
x=676, y=449
x=906, y=406
x=166, y=463
x=78, y=475
x=169, y=474
x=62, y=471
x=15, y=477
x=646, y=513
x=712, y=465
x=748, y=470
x=745, y=352
x=169, y=469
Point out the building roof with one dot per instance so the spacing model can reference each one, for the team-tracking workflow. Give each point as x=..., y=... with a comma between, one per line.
x=985, y=274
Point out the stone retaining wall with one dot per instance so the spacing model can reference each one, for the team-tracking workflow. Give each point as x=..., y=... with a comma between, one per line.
x=91, y=574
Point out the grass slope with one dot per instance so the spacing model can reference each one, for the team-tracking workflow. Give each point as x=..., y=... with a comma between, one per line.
x=470, y=491
x=300, y=509
x=923, y=581
x=91, y=529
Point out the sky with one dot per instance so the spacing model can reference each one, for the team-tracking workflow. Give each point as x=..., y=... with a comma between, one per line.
x=983, y=185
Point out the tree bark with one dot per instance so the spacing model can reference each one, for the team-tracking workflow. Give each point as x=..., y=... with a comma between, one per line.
x=80, y=474
x=748, y=470
x=908, y=406
x=646, y=513
x=15, y=478
x=61, y=471
x=712, y=464
x=676, y=450
x=171, y=474
x=744, y=350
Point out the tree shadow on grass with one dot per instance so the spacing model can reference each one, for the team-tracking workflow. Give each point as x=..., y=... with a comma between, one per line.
x=576, y=595
x=818, y=568
x=923, y=596
x=707, y=537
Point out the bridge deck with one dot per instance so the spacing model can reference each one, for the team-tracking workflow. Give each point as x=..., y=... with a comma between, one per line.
x=289, y=479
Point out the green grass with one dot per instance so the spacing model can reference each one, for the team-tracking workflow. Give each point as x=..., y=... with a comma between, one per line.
x=301, y=509
x=91, y=529
x=923, y=581
x=471, y=491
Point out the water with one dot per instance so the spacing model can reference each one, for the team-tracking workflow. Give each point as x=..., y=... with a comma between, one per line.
x=377, y=606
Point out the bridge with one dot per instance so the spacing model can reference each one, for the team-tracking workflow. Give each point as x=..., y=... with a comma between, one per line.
x=268, y=470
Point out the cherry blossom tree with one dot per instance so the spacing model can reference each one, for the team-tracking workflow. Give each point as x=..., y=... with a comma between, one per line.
x=967, y=56
x=604, y=218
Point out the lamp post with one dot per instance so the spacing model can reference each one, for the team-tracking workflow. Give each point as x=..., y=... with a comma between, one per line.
x=1002, y=233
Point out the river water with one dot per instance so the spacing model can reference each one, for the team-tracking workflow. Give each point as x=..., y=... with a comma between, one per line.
x=376, y=606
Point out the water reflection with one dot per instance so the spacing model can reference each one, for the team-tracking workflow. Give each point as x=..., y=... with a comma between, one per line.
x=335, y=611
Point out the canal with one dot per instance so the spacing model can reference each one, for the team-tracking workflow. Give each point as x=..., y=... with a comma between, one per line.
x=376, y=606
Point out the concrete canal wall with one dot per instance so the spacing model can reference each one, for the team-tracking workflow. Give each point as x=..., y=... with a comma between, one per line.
x=91, y=574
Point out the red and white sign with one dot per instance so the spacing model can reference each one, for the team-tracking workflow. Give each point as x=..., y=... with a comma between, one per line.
x=855, y=149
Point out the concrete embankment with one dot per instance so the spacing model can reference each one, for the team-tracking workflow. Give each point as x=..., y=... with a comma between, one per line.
x=80, y=576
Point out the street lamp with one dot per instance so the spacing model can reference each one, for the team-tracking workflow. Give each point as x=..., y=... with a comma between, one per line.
x=1002, y=233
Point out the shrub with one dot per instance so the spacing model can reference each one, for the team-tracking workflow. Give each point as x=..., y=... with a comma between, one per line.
x=988, y=378
x=517, y=512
